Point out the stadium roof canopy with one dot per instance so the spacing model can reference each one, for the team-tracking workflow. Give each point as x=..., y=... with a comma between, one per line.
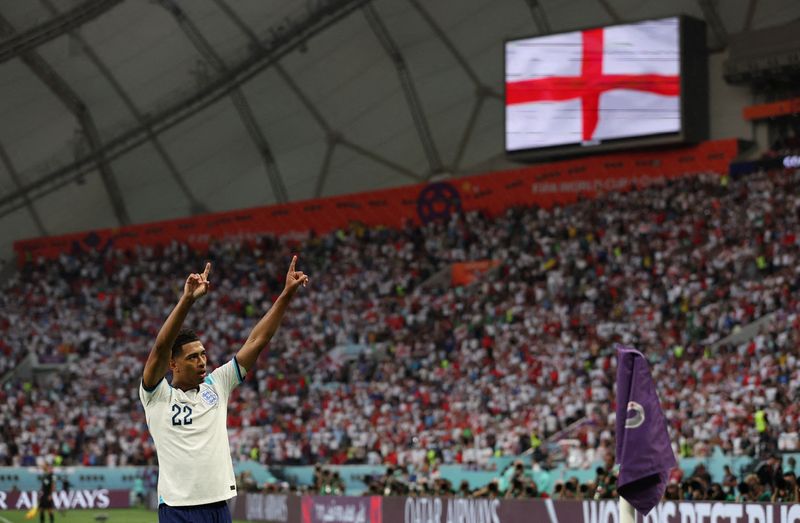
x=119, y=112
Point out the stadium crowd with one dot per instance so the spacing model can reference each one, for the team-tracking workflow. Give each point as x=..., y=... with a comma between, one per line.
x=373, y=366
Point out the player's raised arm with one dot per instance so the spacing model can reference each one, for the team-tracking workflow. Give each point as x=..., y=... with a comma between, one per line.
x=268, y=325
x=158, y=361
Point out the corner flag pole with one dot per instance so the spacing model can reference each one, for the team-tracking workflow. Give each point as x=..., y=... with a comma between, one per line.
x=627, y=514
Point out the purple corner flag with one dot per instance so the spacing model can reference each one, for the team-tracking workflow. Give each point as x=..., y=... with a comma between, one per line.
x=644, y=452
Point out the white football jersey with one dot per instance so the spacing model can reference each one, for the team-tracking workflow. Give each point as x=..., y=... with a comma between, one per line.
x=191, y=438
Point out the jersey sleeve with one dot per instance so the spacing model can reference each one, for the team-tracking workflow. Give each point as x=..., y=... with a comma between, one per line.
x=228, y=376
x=158, y=393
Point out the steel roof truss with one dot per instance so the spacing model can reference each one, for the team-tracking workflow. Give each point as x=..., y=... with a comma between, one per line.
x=238, y=98
x=75, y=105
x=407, y=85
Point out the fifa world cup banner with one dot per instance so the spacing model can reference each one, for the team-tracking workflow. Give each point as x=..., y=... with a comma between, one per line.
x=67, y=499
x=457, y=510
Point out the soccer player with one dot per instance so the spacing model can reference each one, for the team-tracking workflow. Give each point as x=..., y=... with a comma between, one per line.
x=46, y=494
x=187, y=418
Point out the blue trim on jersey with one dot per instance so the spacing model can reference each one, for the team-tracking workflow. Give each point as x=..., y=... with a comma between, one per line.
x=209, y=380
x=238, y=372
x=160, y=499
x=154, y=386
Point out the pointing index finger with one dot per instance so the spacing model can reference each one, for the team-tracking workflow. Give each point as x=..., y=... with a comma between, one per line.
x=291, y=265
x=207, y=270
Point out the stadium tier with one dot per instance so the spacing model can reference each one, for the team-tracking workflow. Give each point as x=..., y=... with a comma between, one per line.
x=374, y=367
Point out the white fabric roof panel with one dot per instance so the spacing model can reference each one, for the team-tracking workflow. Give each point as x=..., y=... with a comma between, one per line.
x=146, y=52
x=351, y=172
x=16, y=224
x=35, y=125
x=211, y=150
x=283, y=119
x=106, y=108
x=344, y=71
x=75, y=204
x=148, y=187
x=24, y=14
x=305, y=162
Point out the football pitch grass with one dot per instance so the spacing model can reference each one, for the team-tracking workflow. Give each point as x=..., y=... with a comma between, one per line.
x=118, y=515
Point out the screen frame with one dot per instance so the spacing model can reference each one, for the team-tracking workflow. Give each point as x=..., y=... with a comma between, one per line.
x=694, y=115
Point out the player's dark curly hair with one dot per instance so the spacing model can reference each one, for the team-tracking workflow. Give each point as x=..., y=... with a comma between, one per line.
x=184, y=336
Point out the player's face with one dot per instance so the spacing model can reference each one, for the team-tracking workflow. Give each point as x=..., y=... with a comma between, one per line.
x=190, y=366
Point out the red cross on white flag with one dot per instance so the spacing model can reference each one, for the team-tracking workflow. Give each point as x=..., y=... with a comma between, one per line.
x=599, y=84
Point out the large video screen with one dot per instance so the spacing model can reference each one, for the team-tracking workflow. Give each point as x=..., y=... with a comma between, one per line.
x=586, y=89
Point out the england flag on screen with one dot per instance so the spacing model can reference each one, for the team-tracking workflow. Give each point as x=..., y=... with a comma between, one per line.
x=594, y=85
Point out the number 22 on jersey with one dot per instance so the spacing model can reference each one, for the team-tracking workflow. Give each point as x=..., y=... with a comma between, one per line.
x=176, y=415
